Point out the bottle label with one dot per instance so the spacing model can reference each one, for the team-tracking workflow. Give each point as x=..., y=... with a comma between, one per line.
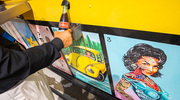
x=64, y=25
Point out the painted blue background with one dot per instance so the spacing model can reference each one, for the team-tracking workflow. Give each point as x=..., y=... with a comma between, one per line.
x=170, y=80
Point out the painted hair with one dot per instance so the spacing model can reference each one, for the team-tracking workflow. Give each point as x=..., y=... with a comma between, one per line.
x=139, y=50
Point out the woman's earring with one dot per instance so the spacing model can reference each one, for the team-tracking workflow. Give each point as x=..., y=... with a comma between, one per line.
x=134, y=66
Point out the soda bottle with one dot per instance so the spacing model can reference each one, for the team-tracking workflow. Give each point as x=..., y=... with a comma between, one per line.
x=64, y=21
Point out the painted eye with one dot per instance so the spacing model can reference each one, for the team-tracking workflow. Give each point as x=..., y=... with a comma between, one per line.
x=156, y=66
x=144, y=63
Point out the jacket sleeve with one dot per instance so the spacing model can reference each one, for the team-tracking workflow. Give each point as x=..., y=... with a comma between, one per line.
x=17, y=65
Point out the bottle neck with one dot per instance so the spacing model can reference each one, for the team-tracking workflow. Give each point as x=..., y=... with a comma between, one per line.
x=65, y=9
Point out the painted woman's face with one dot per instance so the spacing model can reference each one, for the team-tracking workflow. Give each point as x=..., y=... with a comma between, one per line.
x=149, y=65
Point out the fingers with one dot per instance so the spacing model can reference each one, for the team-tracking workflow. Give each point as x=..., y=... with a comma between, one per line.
x=65, y=36
x=69, y=30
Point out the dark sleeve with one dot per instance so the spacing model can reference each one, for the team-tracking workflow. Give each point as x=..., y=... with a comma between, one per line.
x=10, y=45
x=17, y=65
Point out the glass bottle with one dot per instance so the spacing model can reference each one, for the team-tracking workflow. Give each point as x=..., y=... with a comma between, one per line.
x=64, y=21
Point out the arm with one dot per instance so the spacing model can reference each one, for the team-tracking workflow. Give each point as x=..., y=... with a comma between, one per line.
x=17, y=65
x=123, y=85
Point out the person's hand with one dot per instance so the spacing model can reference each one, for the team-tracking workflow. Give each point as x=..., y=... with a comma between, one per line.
x=65, y=36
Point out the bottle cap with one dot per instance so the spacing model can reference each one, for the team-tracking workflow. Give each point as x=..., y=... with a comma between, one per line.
x=65, y=3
